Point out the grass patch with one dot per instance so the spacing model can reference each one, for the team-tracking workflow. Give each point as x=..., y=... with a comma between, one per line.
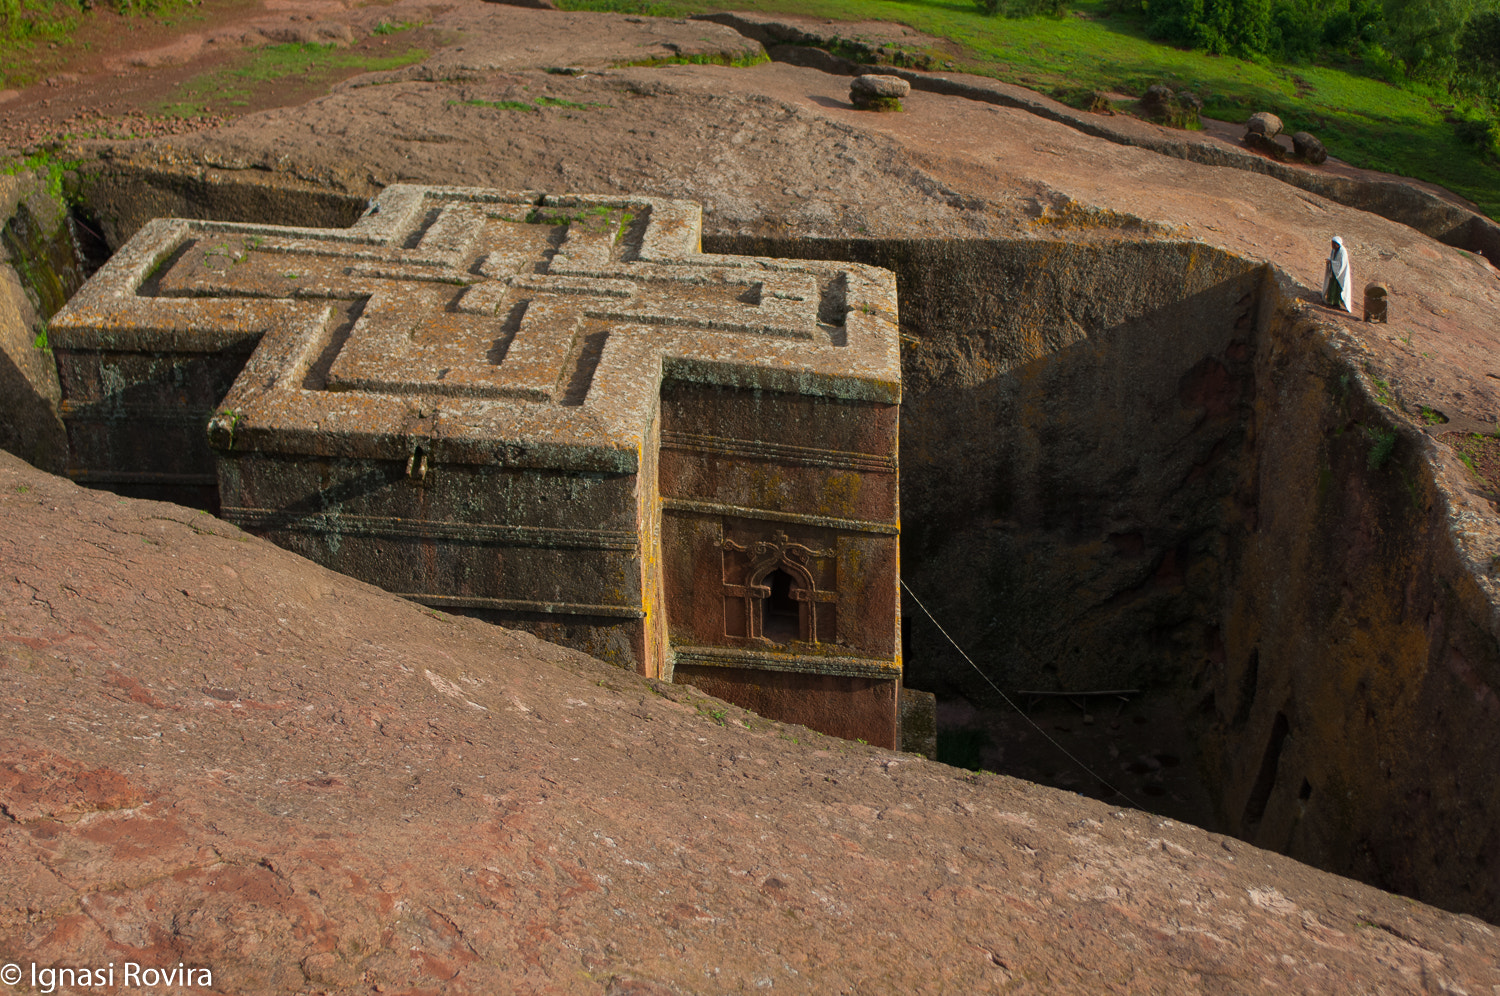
x=559, y=102
x=602, y=219
x=1084, y=99
x=1382, y=445
x=1359, y=116
x=393, y=27
x=26, y=22
x=310, y=63
x=47, y=167
x=499, y=105
x=1383, y=393
x=703, y=59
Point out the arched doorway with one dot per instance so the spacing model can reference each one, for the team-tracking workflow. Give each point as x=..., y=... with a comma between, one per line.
x=781, y=614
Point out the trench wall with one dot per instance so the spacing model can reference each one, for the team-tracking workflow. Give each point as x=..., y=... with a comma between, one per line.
x=37, y=274
x=1351, y=718
x=1146, y=465
x=118, y=202
x=1072, y=421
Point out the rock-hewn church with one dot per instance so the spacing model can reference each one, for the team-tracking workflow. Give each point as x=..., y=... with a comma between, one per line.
x=556, y=413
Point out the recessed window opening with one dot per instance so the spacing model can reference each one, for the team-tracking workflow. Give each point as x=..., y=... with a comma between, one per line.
x=782, y=619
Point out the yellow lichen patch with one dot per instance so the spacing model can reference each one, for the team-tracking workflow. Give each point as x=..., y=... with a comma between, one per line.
x=840, y=497
x=1069, y=215
x=767, y=486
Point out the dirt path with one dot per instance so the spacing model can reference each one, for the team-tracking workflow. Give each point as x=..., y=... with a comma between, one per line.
x=135, y=77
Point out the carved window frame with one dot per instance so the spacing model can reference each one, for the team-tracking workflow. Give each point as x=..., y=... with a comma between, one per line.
x=766, y=556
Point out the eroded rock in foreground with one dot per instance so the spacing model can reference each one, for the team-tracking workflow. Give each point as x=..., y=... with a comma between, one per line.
x=214, y=752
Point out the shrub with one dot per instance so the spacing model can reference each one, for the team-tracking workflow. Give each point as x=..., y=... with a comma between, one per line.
x=1021, y=8
x=1425, y=35
x=1382, y=445
x=1477, y=126
x=1222, y=27
x=1353, y=23
x=1303, y=29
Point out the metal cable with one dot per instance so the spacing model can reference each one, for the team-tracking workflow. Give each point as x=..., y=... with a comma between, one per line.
x=1008, y=701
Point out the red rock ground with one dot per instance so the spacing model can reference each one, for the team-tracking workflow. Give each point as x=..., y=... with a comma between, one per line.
x=215, y=752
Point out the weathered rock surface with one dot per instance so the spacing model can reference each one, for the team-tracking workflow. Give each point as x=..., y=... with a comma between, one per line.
x=978, y=180
x=860, y=43
x=880, y=86
x=1429, y=208
x=1261, y=142
x=1263, y=123
x=1308, y=148
x=878, y=93
x=1158, y=98
x=29, y=390
x=214, y=752
x=1176, y=110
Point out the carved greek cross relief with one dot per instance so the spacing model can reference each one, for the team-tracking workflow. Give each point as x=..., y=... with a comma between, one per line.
x=778, y=592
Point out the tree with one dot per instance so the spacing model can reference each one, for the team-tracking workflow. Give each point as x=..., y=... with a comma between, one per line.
x=1223, y=27
x=1479, y=56
x=1425, y=34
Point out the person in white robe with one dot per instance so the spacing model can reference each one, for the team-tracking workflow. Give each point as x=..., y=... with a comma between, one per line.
x=1338, y=289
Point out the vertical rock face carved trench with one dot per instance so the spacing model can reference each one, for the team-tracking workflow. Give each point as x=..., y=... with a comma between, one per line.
x=1138, y=467
x=1134, y=467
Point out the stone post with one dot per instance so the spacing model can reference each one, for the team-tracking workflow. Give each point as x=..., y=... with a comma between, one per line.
x=1375, y=303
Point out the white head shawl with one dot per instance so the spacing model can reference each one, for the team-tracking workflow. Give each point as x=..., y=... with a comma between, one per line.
x=1337, y=282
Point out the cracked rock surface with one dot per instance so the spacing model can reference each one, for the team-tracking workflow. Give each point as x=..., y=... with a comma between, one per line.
x=215, y=752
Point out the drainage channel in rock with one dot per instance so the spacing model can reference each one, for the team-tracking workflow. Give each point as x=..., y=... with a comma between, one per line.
x=1140, y=488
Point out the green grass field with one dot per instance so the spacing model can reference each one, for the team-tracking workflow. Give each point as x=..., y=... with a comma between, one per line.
x=1361, y=118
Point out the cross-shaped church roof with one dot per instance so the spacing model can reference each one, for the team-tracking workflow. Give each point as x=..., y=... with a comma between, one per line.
x=493, y=327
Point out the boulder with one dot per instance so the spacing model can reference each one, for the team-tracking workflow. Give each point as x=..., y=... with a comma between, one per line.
x=1308, y=148
x=1158, y=99
x=1260, y=134
x=878, y=92
x=1099, y=102
x=1176, y=110
x=1263, y=123
x=1266, y=144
